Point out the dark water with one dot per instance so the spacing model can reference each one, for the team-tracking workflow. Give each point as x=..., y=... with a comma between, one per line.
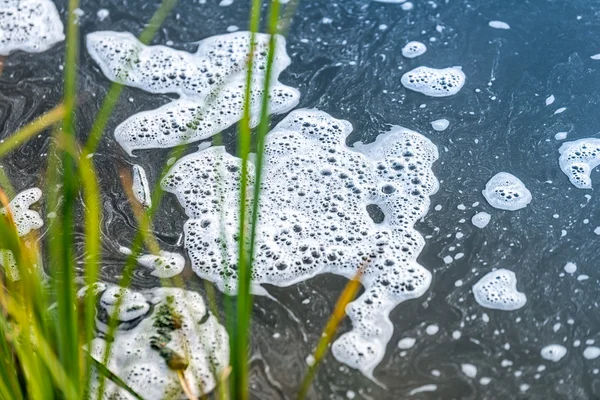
x=351, y=69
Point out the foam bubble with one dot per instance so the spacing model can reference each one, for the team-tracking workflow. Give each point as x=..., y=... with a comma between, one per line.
x=315, y=200
x=406, y=343
x=29, y=25
x=561, y=135
x=211, y=85
x=595, y=57
x=440, y=124
x=498, y=290
x=570, y=268
x=481, y=219
x=578, y=159
x=469, y=370
x=506, y=192
x=140, y=186
x=159, y=326
x=164, y=264
x=25, y=219
x=553, y=352
x=413, y=49
x=591, y=353
x=434, y=82
x=550, y=99
x=498, y=25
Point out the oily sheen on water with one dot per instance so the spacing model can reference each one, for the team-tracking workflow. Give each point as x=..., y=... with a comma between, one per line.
x=314, y=218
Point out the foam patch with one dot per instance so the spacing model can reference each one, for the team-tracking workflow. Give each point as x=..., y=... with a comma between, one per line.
x=163, y=265
x=553, y=352
x=140, y=186
x=578, y=159
x=506, y=192
x=314, y=218
x=157, y=327
x=29, y=25
x=481, y=219
x=25, y=219
x=413, y=49
x=211, y=85
x=440, y=124
x=434, y=82
x=498, y=290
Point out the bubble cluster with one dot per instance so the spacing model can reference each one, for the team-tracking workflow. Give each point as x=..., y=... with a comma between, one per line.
x=434, y=82
x=211, y=84
x=140, y=186
x=506, y=192
x=157, y=328
x=498, y=290
x=29, y=25
x=163, y=265
x=578, y=159
x=413, y=49
x=25, y=219
x=314, y=218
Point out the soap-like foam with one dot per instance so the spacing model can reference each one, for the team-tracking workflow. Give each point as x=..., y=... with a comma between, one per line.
x=211, y=85
x=481, y=219
x=498, y=25
x=506, y=192
x=155, y=326
x=163, y=265
x=314, y=218
x=498, y=290
x=553, y=352
x=440, y=124
x=434, y=82
x=25, y=219
x=578, y=159
x=29, y=25
x=140, y=186
x=413, y=49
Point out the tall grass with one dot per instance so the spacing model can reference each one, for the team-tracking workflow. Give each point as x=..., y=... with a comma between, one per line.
x=44, y=326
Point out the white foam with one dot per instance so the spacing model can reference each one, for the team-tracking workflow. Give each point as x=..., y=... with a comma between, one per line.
x=591, y=353
x=140, y=186
x=391, y=1
x=498, y=290
x=481, y=219
x=432, y=329
x=314, y=218
x=29, y=25
x=498, y=25
x=578, y=159
x=434, y=82
x=164, y=265
x=561, y=135
x=550, y=99
x=560, y=110
x=413, y=49
x=570, y=268
x=469, y=370
x=160, y=324
x=440, y=124
x=595, y=57
x=25, y=219
x=506, y=192
x=406, y=343
x=424, y=388
x=553, y=352
x=407, y=6
x=102, y=14
x=211, y=85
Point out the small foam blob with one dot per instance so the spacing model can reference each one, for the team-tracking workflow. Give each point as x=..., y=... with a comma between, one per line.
x=570, y=268
x=29, y=25
x=25, y=219
x=550, y=99
x=157, y=329
x=506, y=192
x=595, y=57
x=553, y=352
x=561, y=136
x=406, y=343
x=211, y=84
x=578, y=159
x=413, y=49
x=498, y=25
x=314, y=218
x=164, y=264
x=481, y=219
x=440, y=124
x=498, y=290
x=591, y=353
x=434, y=82
x=469, y=370
x=140, y=186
